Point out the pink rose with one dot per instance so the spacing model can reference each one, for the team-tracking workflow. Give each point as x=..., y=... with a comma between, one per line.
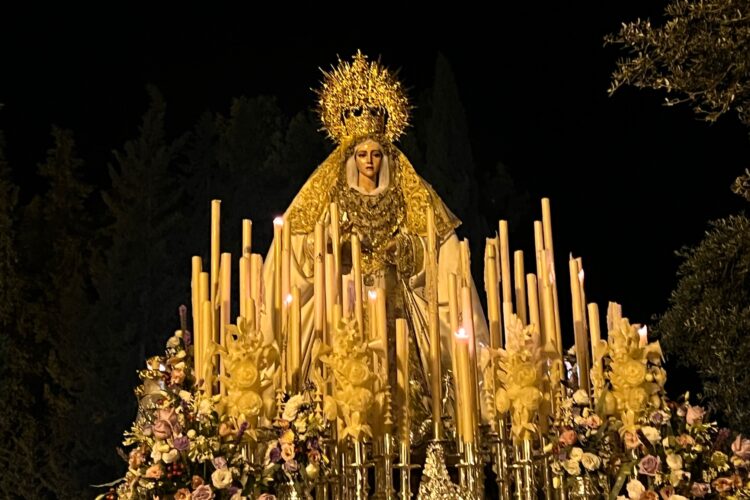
x=267, y=496
x=162, y=429
x=195, y=482
x=700, y=490
x=203, y=492
x=649, y=465
x=741, y=447
x=568, y=437
x=649, y=495
x=723, y=484
x=695, y=415
x=154, y=472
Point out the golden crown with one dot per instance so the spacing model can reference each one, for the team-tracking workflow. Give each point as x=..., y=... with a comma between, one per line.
x=362, y=98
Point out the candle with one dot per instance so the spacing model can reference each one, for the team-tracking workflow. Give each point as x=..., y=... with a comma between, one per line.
x=520, y=288
x=493, y=298
x=402, y=361
x=256, y=276
x=346, y=296
x=372, y=330
x=594, y=327
x=247, y=237
x=433, y=327
x=331, y=290
x=196, y=308
x=250, y=318
x=468, y=326
x=463, y=252
x=357, y=269
x=453, y=312
x=286, y=267
x=581, y=339
x=294, y=340
x=215, y=243
x=465, y=395
x=548, y=246
x=581, y=289
x=335, y=239
x=533, y=296
x=207, y=373
x=505, y=262
x=278, y=224
x=225, y=314
x=382, y=329
x=319, y=291
x=244, y=285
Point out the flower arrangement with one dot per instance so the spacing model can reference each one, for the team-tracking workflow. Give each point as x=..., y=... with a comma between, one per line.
x=355, y=401
x=636, y=443
x=188, y=444
x=293, y=457
x=519, y=378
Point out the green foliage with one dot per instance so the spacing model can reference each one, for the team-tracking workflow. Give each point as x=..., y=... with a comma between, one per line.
x=707, y=326
x=699, y=56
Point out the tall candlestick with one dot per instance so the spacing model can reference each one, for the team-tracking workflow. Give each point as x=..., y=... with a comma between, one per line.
x=382, y=329
x=505, y=279
x=463, y=252
x=244, y=285
x=250, y=318
x=247, y=237
x=278, y=224
x=206, y=373
x=335, y=239
x=331, y=291
x=580, y=334
x=468, y=326
x=372, y=330
x=346, y=296
x=433, y=326
x=465, y=395
x=402, y=361
x=196, y=309
x=295, y=341
x=319, y=291
x=493, y=298
x=215, y=245
x=286, y=269
x=594, y=328
x=453, y=312
x=581, y=288
x=225, y=315
x=357, y=269
x=534, y=317
x=520, y=288
x=549, y=247
x=256, y=276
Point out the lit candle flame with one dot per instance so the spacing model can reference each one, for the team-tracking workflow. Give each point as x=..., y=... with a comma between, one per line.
x=278, y=221
x=643, y=332
x=580, y=275
x=461, y=334
x=372, y=294
x=289, y=298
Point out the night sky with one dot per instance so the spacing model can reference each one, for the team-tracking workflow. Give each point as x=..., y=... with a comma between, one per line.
x=630, y=181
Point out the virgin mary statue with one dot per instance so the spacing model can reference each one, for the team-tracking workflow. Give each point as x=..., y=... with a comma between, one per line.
x=382, y=200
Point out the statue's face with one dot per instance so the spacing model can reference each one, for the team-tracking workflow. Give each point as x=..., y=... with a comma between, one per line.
x=368, y=155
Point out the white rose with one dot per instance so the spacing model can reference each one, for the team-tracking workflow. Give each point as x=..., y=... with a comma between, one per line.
x=221, y=478
x=572, y=467
x=292, y=407
x=675, y=477
x=590, y=461
x=576, y=453
x=674, y=461
x=186, y=396
x=651, y=433
x=635, y=489
x=170, y=456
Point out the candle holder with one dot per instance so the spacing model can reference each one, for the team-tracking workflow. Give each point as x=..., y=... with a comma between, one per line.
x=472, y=484
x=405, y=467
x=546, y=470
x=356, y=487
x=524, y=467
x=499, y=443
